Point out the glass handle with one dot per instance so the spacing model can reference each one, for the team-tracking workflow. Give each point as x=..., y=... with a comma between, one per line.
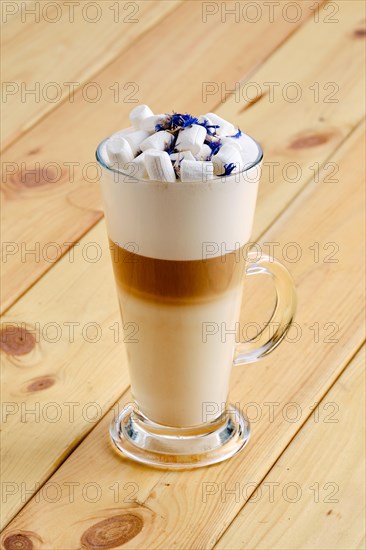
x=283, y=314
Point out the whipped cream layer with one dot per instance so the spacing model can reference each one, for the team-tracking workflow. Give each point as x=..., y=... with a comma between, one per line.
x=180, y=221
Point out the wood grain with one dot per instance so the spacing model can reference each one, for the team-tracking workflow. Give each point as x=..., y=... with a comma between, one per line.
x=44, y=43
x=171, y=505
x=318, y=499
x=62, y=199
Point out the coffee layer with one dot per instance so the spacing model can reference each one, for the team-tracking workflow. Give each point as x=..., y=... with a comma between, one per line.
x=179, y=364
x=172, y=281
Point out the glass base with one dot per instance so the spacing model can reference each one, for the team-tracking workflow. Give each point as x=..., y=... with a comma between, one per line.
x=140, y=439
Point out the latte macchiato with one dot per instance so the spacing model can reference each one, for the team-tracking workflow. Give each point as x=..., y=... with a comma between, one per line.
x=179, y=195
x=170, y=284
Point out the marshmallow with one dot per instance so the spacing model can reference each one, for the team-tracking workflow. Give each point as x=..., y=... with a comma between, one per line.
x=203, y=118
x=159, y=166
x=196, y=170
x=135, y=139
x=191, y=139
x=204, y=153
x=239, y=142
x=178, y=157
x=149, y=123
x=119, y=152
x=137, y=167
x=244, y=144
x=225, y=127
x=227, y=154
x=160, y=140
x=235, y=142
x=138, y=114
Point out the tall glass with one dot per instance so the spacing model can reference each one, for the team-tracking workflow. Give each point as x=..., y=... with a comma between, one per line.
x=180, y=256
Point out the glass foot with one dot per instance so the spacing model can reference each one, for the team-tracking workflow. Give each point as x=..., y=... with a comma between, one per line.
x=138, y=438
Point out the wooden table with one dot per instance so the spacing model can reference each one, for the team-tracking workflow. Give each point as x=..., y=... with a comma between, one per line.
x=290, y=74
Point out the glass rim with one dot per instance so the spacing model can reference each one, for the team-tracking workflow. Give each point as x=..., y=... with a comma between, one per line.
x=103, y=164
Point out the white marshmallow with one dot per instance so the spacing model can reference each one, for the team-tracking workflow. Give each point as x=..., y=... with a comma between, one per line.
x=244, y=144
x=191, y=139
x=203, y=118
x=160, y=141
x=240, y=142
x=227, y=154
x=135, y=139
x=119, y=152
x=225, y=127
x=196, y=170
x=178, y=157
x=149, y=123
x=138, y=114
x=235, y=142
x=138, y=168
x=159, y=166
x=204, y=153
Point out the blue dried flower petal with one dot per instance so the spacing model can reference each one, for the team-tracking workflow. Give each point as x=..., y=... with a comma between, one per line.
x=178, y=120
x=238, y=134
x=215, y=147
x=212, y=132
x=164, y=125
x=228, y=169
x=208, y=127
x=171, y=147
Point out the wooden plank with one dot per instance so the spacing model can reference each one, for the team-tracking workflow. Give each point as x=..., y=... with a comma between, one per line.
x=318, y=499
x=45, y=43
x=64, y=210
x=171, y=504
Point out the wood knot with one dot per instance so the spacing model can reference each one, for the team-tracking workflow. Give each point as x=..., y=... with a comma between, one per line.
x=311, y=140
x=359, y=33
x=16, y=340
x=41, y=383
x=112, y=532
x=38, y=176
x=18, y=542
